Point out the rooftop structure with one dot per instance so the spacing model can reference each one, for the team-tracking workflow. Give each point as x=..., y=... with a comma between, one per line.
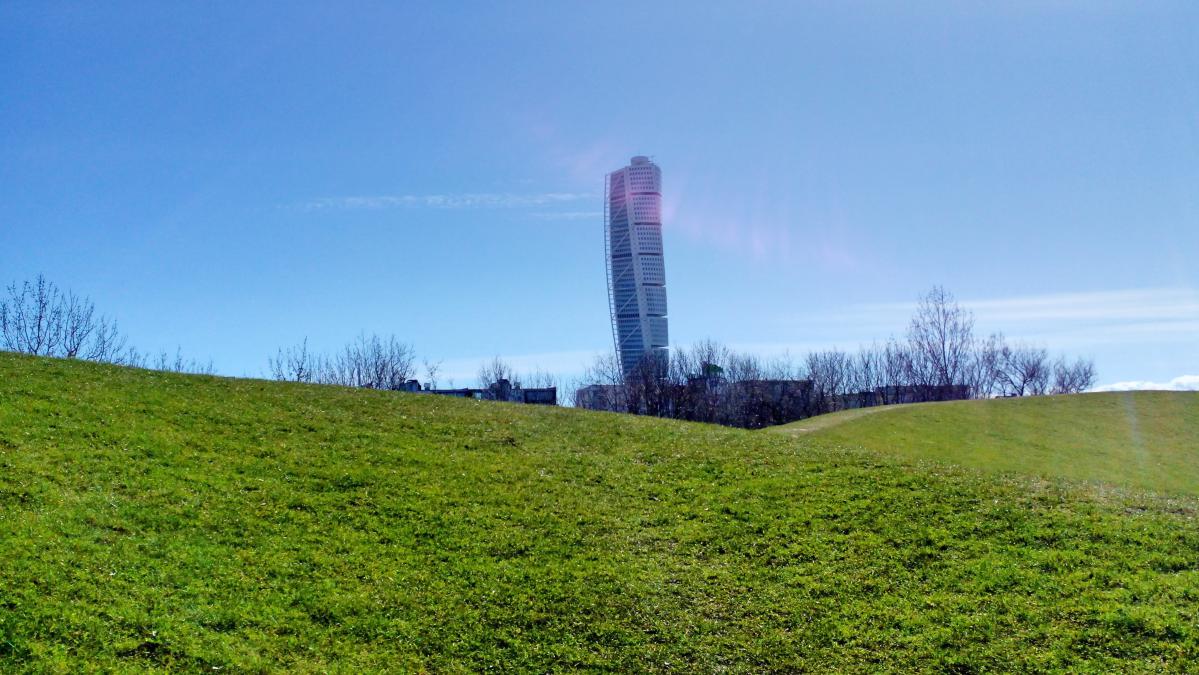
x=503, y=390
x=636, y=274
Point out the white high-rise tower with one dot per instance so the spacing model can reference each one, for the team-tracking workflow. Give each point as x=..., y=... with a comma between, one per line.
x=636, y=275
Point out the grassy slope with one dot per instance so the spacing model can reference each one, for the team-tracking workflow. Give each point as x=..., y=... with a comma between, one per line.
x=164, y=521
x=1142, y=440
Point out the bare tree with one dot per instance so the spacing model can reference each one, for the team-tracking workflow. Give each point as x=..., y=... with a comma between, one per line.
x=706, y=383
x=1023, y=370
x=941, y=336
x=538, y=379
x=605, y=385
x=37, y=318
x=982, y=373
x=78, y=323
x=179, y=364
x=31, y=318
x=370, y=362
x=432, y=370
x=787, y=392
x=1073, y=378
x=866, y=370
x=894, y=371
x=294, y=364
x=107, y=344
x=647, y=387
x=495, y=370
x=828, y=371
x=750, y=399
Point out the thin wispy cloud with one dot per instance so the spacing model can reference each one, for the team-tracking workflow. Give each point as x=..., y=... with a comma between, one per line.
x=569, y=215
x=1153, y=314
x=793, y=351
x=1072, y=321
x=1061, y=321
x=1094, y=319
x=463, y=200
x=1172, y=304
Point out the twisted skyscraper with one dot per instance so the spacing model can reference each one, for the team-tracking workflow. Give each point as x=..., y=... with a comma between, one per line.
x=636, y=275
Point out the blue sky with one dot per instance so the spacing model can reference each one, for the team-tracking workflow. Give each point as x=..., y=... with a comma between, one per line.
x=227, y=179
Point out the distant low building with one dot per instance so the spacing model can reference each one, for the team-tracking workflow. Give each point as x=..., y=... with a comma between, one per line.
x=498, y=391
x=710, y=396
x=707, y=397
x=859, y=399
x=914, y=393
x=608, y=397
x=902, y=394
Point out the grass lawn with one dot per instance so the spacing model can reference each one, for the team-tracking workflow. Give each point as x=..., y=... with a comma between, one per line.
x=1139, y=440
x=157, y=521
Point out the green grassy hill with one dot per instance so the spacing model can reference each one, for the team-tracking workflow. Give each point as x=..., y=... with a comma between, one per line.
x=1140, y=440
x=156, y=521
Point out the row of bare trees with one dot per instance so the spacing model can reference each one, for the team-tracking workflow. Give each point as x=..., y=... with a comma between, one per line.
x=895, y=373
x=707, y=382
x=39, y=318
x=377, y=362
x=497, y=371
x=942, y=351
x=371, y=362
x=940, y=358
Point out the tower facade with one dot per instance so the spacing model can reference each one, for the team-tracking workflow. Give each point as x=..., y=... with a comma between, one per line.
x=636, y=275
